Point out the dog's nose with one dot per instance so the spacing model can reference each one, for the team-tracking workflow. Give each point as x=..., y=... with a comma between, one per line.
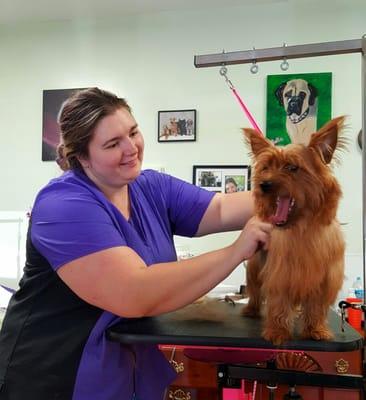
x=266, y=186
x=294, y=106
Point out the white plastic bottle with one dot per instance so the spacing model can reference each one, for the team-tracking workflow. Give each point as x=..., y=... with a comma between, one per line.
x=351, y=293
x=358, y=287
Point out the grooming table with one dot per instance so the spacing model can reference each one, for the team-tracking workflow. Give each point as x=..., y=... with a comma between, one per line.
x=235, y=345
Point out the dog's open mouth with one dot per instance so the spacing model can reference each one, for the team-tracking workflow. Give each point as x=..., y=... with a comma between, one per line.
x=284, y=206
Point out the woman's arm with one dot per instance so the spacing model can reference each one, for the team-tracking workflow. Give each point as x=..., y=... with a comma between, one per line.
x=118, y=280
x=227, y=212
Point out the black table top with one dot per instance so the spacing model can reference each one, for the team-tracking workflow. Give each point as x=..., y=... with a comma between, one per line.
x=232, y=330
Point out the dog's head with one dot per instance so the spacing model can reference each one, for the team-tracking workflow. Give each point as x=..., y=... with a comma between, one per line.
x=295, y=182
x=296, y=96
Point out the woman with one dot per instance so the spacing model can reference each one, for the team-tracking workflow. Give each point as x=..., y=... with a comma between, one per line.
x=230, y=185
x=100, y=248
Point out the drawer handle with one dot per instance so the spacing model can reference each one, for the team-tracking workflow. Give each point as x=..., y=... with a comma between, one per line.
x=341, y=366
x=179, y=394
x=179, y=367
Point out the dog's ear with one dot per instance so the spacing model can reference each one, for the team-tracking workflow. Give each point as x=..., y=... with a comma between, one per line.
x=256, y=141
x=326, y=140
x=313, y=94
x=279, y=93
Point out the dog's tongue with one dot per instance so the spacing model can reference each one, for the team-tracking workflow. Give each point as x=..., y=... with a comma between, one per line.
x=283, y=206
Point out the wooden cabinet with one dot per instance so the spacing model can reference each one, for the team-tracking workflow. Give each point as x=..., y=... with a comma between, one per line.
x=198, y=380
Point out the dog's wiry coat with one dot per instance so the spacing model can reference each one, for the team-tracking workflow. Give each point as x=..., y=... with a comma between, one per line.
x=303, y=268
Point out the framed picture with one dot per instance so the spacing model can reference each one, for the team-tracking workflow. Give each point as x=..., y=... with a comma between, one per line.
x=177, y=126
x=52, y=102
x=297, y=106
x=222, y=178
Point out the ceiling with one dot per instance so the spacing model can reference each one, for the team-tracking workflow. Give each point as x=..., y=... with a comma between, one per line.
x=13, y=11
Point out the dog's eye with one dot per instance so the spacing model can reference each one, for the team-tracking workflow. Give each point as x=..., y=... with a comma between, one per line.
x=302, y=95
x=291, y=167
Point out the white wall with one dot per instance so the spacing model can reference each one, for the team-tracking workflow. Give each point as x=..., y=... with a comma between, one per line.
x=149, y=60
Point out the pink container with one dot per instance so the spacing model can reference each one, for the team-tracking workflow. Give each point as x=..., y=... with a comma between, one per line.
x=245, y=393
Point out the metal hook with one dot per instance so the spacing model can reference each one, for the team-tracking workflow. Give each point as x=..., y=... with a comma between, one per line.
x=284, y=64
x=223, y=72
x=223, y=69
x=254, y=68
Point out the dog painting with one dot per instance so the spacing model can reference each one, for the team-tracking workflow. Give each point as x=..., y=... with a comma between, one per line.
x=301, y=273
x=297, y=106
x=299, y=99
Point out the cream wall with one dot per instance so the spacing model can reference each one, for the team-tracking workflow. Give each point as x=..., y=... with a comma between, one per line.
x=149, y=60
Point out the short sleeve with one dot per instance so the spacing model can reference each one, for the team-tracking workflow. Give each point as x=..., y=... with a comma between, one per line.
x=69, y=221
x=186, y=204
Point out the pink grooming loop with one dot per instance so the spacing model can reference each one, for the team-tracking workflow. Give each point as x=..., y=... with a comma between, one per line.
x=247, y=112
x=223, y=72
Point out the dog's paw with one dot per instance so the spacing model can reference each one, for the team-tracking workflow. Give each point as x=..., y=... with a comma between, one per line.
x=277, y=337
x=249, y=311
x=321, y=333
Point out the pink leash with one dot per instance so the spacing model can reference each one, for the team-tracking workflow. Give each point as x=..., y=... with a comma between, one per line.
x=223, y=72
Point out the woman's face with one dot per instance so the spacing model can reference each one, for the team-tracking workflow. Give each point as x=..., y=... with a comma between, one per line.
x=115, y=151
x=230, y=188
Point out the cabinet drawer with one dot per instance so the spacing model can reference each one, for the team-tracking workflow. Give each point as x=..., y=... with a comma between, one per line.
x=331, y=363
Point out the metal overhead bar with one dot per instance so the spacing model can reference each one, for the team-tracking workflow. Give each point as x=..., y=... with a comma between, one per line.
x=279, y=53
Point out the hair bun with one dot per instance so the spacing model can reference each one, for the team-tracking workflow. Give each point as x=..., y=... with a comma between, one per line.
x=61, y=157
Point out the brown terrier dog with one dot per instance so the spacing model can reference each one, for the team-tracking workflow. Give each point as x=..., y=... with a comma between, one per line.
x=303, y=268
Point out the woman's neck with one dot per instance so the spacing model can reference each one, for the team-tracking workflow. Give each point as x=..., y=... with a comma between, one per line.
x=120, y=199
x=118, y=196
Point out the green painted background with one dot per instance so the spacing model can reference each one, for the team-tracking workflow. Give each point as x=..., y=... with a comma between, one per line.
x=276, y=116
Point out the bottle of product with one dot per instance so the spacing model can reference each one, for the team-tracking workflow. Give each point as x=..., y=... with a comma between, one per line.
x=358, y=287
x=351, y=293
x=355, y=297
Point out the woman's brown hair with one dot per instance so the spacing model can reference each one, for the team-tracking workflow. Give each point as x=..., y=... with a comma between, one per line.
x=78, y=118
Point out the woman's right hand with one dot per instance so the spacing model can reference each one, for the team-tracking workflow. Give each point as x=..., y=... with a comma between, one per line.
x=255, y=235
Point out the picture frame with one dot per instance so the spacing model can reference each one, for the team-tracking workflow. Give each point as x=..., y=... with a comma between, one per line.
x=177, y=126
x=287, y=113
x=222, y=178
x=53, y=100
